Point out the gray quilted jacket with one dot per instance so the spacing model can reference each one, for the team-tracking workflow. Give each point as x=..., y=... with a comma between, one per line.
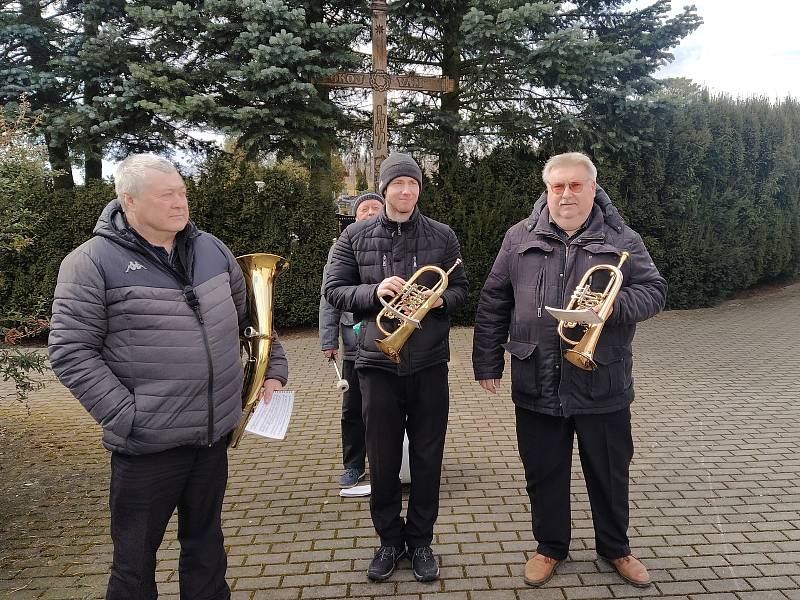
x=152, y=353
x=330, y=318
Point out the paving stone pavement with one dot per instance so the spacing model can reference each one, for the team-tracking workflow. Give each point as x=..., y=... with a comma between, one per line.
x=715, y=494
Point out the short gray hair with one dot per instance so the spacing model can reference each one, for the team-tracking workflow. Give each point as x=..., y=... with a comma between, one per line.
x=569, y=159
x=130, y=172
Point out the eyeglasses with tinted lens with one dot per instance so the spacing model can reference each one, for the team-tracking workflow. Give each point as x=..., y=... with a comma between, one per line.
x=576, y=187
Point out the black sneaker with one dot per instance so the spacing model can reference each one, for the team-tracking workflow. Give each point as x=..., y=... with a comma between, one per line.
x=386, y=559
x=424, y=564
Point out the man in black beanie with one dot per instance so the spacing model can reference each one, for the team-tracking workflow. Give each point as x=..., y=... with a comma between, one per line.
x=332, y=322
x=373, y=259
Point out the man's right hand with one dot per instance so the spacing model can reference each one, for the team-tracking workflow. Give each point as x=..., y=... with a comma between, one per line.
x=330, y=354
x=490, y=385
x=390, y=286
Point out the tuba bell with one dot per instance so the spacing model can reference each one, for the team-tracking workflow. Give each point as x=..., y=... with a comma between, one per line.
x=260, y=271
x=583, y=298
x=409, y=305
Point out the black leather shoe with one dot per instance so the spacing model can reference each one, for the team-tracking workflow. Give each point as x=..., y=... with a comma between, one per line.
x=424, y=564
x=386, y=559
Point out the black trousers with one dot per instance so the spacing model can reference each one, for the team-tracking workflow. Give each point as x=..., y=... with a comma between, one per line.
x=605, y=446
x=354, y=448
x=145, y=491
x=418, y=404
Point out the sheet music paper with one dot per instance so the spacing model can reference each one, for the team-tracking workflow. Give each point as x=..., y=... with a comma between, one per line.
x=586, y=315
x=272, y=420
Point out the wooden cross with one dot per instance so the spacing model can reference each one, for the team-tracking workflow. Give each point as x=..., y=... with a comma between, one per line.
x=381, y=82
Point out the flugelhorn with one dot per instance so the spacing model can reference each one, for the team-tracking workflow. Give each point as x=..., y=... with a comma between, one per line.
x=260, y=271
x=409, y=305
x=583, y=298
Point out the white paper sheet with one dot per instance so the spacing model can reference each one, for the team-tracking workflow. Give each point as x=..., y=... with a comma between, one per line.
x=575, y=316
x=272, y=420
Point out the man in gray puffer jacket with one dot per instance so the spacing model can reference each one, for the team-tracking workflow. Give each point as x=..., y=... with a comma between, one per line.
x=145, y=333
x=331, y=322
x=542, y=259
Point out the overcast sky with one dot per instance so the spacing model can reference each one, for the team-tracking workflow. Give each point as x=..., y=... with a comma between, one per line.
x=744, y=47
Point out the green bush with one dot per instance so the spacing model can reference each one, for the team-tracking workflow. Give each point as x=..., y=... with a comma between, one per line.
x=283, y=217
x=480, y=200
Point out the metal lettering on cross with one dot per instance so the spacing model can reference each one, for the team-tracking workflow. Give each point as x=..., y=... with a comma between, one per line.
x=381, y=82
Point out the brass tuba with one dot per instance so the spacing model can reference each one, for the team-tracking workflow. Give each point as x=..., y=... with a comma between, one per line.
x=583, y=298
x=260, y=271
x=409, y=305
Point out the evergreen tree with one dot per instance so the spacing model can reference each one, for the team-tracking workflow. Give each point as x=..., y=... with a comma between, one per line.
x=72, y=58
x=243, y=68
x=524, y=69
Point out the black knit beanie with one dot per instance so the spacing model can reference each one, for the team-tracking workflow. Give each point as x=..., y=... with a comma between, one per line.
x=364, y=197
x=396, y=165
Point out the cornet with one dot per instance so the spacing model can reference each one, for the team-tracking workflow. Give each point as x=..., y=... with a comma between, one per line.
x=409, y=305
x=582, y=299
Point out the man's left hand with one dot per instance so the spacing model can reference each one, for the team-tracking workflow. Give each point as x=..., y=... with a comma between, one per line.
x=270, y=385
x=439, y=300
x=597, y=310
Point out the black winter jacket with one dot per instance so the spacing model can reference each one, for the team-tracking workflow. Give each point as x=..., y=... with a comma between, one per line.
x=536, y=268
x=368, y=252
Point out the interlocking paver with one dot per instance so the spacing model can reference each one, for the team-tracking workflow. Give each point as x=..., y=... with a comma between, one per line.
x=714, y=483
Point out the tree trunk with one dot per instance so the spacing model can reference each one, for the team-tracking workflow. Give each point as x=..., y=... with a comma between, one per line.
x=93, y=165
x=319, y=159
x=46, y=98
x=449, y=137
x=93, y=153
x=60, y=163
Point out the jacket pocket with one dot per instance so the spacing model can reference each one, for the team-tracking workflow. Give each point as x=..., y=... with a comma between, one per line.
x=524, y=382
x=613, y=373
x=519, y=350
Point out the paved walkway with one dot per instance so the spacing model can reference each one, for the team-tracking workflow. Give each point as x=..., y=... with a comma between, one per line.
x=715, y=492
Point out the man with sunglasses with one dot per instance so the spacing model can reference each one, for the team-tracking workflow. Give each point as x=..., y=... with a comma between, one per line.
x=572, y=228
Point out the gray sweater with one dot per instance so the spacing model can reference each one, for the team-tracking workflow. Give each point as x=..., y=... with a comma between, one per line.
x=153, y=370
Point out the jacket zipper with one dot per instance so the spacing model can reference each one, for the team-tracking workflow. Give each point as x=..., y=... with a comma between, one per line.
x=563, y=288
x=540, y=286
x=194, y=303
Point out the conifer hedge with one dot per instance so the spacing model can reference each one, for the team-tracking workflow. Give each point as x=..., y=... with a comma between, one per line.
x=715, y=194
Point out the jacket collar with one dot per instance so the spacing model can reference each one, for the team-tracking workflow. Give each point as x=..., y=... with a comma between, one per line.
x=593, y=230
x=609, y=214
x=113, y=225
x=402, y=227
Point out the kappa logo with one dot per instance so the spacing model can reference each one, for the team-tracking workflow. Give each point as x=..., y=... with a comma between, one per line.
x=134, y=266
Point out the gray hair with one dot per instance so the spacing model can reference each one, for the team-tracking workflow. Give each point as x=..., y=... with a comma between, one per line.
x=130, y=173
x=569, y=159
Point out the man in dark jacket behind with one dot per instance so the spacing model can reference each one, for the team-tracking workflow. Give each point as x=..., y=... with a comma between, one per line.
x=331, y=322
x=145, y=333
x=541, y=261
x=373, y=259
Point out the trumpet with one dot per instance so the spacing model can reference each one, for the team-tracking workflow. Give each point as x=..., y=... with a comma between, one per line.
x=409, y=305
x=583, y=298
